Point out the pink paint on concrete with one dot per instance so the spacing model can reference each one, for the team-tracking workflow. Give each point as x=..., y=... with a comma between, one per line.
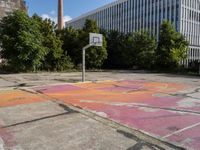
x=8, y=138
x=121, y=88
x=155, y=121
x=135, y=104
x=189, y=138
x=57, y=88
x=164, y=102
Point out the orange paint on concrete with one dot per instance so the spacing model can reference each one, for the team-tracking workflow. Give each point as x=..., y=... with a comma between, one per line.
x=114, y=92
x=17, y=97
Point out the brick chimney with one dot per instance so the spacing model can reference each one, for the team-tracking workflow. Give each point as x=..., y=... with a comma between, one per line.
x=60, y=15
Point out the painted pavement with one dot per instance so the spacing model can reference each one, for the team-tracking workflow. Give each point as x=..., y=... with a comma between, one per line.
x=170, y=111
x=17, y=97
x=9, y=98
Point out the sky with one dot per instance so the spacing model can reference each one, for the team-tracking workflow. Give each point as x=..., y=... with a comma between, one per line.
x=72, y=8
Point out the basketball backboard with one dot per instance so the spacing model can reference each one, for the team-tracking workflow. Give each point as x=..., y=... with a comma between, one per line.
x=96, y=39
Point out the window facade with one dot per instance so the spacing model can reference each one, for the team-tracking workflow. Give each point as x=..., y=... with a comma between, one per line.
x=128, y=16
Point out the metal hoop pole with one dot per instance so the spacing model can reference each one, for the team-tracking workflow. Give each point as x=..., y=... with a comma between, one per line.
x=83, y=62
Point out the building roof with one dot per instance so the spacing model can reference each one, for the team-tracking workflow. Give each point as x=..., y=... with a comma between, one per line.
x=96, y=10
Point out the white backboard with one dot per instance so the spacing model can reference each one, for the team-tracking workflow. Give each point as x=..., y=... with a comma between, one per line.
x=96, y=39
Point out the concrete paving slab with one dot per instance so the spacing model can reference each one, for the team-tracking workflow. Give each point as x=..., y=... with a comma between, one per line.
x=26, y=112
x=69, y=132
x=5, y=84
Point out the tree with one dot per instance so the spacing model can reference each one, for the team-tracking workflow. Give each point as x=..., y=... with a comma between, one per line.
x=95, y=56
x=53, y=46
x=171, y=47
x=71, y=44
x=120, y=52
x=74, y=40
x=21, y=42
x=179, y=52
x=144, y=48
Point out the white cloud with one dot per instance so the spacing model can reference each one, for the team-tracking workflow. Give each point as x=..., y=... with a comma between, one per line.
x=67, y=18
x=47, y=16
x=53, y=12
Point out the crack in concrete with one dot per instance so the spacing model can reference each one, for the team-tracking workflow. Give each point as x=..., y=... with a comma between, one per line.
x=67, y=109
x=186, y=95
x=170, y=109
x=141, y=144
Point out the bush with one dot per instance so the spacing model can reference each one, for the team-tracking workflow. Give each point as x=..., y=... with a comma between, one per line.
x=172, y=47
x=21, y=42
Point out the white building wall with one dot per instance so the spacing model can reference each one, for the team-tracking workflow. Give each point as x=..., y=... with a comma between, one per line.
x=128, y=16
x=190, y=27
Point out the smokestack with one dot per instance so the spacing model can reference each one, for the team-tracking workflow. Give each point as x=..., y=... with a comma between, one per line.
x=60, y=15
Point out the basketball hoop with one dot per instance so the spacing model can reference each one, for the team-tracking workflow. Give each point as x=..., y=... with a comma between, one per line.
x=94, y=40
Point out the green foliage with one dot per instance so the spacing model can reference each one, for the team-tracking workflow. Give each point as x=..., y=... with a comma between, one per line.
x=144, y=48
x=140, y=49
x=126, y=51
x=75, y=40
x=179, y=52
x=120, y=52
x=90, y=26
x=64, y=63
x=21, y=42
x=171, y=47
x=71, y=44
x=31, y=43
x=53, y=46
x=95, y=56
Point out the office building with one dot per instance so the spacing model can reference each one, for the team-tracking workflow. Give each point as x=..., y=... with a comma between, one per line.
x=128, y=16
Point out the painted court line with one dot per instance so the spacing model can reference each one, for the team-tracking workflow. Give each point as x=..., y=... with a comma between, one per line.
x=1, y=144
x=184, y=129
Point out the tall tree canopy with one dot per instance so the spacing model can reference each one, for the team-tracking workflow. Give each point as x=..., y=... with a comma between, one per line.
x=21, y=42
x=120, y=51
x=75, y=40
x=53, y=46
x=144, y=47
x=71, y=44
x=172, y=47
x=31, y=43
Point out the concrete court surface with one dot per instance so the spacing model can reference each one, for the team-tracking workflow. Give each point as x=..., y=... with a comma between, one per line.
x=31, y=121
x=161, y=105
